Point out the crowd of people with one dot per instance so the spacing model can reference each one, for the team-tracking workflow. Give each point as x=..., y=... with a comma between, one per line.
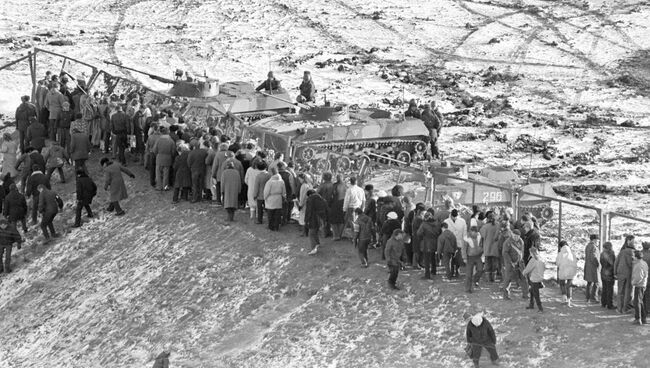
x=198, y=164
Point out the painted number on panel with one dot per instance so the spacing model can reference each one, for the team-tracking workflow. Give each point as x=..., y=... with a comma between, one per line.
x=492, y=197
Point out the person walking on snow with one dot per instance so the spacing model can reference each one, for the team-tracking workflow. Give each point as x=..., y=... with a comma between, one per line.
x=113, y=180
x=480, y=335
x=567, y=268
x=535, y=272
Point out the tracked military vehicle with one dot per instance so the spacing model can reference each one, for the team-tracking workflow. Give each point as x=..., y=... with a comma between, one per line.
x=207, y=101
x=340, y=138
x=501, y=187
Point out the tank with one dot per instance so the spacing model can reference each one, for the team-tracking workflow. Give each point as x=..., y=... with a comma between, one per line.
x=208, y=101
x=337, y=137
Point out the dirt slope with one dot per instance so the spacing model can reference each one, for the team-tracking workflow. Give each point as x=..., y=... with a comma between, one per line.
x=119, y=290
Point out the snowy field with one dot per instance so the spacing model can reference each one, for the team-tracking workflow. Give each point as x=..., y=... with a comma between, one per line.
x=574, y=74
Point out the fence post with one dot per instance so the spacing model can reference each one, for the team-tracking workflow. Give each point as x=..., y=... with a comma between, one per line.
x=559, y=222
x=473, y=193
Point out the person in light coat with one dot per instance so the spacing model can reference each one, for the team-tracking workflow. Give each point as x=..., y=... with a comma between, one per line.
x=249, y=178
x=639, y=281
x=458, y=226
x=567, y=268
x=535, y=272
x=274, y=196
x=9, y=150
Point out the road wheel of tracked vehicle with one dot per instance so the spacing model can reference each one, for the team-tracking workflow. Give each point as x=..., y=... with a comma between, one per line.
x=343, y=164
x=384, y=160
x=322, y=165
x=307, y=154
x=404, y=156
x=547, y=213
x=421, y=147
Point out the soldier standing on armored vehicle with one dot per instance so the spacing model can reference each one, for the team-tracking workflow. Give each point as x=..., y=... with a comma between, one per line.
x=433, y=121
x=307, y=89
x=413, y=110
x=270, y=84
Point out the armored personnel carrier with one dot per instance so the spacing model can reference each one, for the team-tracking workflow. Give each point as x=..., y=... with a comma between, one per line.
x=501, y=185
x=339, y=137
x=207, y=101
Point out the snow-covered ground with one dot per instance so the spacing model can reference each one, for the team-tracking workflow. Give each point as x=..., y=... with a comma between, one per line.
x=118, y=291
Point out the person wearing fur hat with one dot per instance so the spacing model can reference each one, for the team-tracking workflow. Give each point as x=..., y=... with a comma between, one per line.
x=591, y=268
x=480, y=335
x=607, y=258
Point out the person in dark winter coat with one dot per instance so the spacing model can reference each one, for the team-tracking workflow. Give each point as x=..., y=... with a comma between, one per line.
x=196, y=162
x=393, y=254
x=364, y=235
x=307, y=89
x=15, y=207
x=183, y=176
x=531, y=239
x=230, y=188
x=48, y=207
x=79, y=149
x=315, y=214
x=35, y=179
x=413, y=110
x=270, y=84
x=63, y=126
x=591, y=268
x=9, y=237
x=639, y=281
x=113, y=180
x=162, y=360
x=607, y=259
x=623, y=273
x=512, y=254
x=25, y=113
x=86, y=191
x=36, y=134
x=429, y=231
x=119, y=127
x=326, y=190
x=165, y=150
x=480, y=335
x=388, y=227
x=447, y=247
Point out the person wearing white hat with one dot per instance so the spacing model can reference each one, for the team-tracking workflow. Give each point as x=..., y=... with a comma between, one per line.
x=480, y=334
x=388, y=227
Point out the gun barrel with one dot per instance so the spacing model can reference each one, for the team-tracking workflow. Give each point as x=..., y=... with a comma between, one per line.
x=152, y=76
